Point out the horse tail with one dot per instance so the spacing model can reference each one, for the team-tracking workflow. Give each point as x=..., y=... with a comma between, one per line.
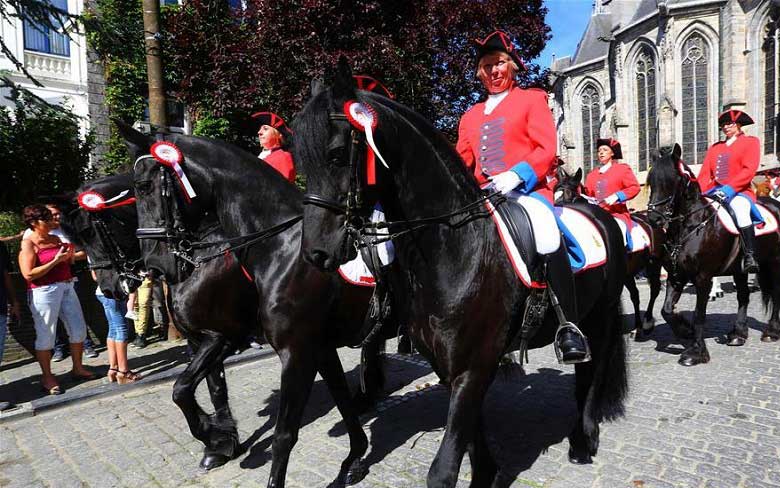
x=610, y=374
x=610, y=379
x=766, y=282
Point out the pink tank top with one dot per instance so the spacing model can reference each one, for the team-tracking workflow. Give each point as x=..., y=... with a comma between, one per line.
x=61, y=272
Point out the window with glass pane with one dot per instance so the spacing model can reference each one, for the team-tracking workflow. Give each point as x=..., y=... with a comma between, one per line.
x=591, y=115
x=695, y=59
x=647, y=140
x=770, y=91
x=45, y=40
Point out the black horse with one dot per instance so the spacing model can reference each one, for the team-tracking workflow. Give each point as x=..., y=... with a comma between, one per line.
x=569, y=190
x=216, y=300
x=304, y=313
x=457, y=289
x=698, y=247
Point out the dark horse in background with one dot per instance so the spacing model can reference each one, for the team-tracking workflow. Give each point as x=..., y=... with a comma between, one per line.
x=569, y=190
x=457, y=289
x=305, y=314
x=217, y=299
x=698, y=247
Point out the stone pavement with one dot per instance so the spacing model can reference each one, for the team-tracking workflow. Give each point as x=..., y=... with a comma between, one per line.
x=711, y=426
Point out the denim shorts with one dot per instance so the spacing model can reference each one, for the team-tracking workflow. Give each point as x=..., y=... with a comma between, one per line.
x=50, y=302
x=115, y=315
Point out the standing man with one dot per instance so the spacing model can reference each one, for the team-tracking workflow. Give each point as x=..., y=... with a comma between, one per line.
x=726, y=173
x=7, y=295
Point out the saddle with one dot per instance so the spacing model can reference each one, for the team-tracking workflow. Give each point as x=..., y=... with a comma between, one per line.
x=518, y=226
x=729, y=221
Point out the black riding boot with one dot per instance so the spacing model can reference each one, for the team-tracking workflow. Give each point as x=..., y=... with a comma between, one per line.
x=749, y=263
x=570, y=341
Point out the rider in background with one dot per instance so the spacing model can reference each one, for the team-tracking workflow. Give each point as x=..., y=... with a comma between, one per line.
x=509, y=139
x=728, y=168
x=273, y=133
x=613, y=184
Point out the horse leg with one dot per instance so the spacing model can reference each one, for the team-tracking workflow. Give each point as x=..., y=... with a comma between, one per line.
x=373, y=376
x=298, y=370
x=223, y=445
x=653, y=273
x=208, y=351
x=680, y=327
x=463, y=419
x=697, y=353
x=352, y=469
x=739, y=334
x=630, y=284
x=483, y=467
x=769, y=282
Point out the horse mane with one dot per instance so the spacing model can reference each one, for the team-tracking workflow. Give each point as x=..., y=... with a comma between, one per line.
x=665, y=168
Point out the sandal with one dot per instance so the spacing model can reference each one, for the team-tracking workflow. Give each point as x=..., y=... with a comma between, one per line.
x=53, y=390
x=112, y=372
x=124, y=377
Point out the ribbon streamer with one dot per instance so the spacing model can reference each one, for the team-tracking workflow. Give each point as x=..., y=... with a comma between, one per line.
x=363, y=116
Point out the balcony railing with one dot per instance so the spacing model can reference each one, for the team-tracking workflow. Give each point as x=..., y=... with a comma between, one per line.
x=47, y=66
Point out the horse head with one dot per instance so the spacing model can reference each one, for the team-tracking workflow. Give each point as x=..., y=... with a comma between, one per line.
x=359, y=148
x=101, y=218
x=170, y=200
x=669, y=179
x=569, y=187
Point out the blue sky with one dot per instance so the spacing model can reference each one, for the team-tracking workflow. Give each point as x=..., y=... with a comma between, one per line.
x=567, y=19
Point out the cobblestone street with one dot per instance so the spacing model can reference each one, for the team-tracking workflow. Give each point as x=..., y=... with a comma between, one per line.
x=713, y=426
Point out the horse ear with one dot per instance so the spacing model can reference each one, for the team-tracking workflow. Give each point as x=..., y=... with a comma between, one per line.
x=343, y=83
x=676, y=152
x=317, y=87
x=137, y=143
x=578, y=175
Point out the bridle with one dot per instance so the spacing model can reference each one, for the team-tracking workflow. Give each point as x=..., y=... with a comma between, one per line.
x=368, y=234
x=182, y=242
x=117, y=258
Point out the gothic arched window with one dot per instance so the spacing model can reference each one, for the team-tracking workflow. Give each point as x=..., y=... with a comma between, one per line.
x=647, y=141
x=591, y=115
x=695, y=114
x=770, y=90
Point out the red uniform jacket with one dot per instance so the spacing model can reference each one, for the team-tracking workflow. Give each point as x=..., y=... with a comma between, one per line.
x=733, y=165
x=520, y=129
x=618, y=179
x=282, y=162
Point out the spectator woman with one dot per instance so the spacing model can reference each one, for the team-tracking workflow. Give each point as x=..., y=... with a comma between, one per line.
x=116, y=341
x=44, y=261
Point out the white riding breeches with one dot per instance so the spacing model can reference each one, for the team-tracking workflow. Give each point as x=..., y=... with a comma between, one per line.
x=546, y=233
x=740, y=204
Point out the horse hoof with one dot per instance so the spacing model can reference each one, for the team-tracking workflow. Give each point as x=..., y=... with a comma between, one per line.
x=355, y=474
x=580, y=458
x=736, y=341
x=213, y=460
x=768, y=338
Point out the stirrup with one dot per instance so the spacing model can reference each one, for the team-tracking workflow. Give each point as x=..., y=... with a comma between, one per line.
x=572, y=327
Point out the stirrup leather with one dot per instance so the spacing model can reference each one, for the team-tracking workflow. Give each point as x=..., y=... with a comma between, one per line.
x=573, y=328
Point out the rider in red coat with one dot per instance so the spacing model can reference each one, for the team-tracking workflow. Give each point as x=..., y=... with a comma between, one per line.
x=613, y=183
x=726, y=173
x=509, y=140
x=272, y=134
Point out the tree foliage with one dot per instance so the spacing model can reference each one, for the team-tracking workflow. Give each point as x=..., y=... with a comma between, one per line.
x=234, y=62
x=43, y=152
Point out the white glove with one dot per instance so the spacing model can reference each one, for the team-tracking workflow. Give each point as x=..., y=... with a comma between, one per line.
x=611, y=200
x=506, y=181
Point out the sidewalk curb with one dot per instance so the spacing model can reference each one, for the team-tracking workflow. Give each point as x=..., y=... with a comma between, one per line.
x=39, y=405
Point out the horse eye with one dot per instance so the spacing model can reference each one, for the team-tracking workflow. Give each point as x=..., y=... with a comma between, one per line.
x=336, y=156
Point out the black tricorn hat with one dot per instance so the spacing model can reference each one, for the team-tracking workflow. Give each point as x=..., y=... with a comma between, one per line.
x=273, y=120
x=498, y=41
x=734, y=116
x=370, y=84
x=617, y=152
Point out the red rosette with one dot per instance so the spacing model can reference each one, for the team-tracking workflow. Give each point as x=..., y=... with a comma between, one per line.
x=91, y=201
x=361, y=114
x=166, y=153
